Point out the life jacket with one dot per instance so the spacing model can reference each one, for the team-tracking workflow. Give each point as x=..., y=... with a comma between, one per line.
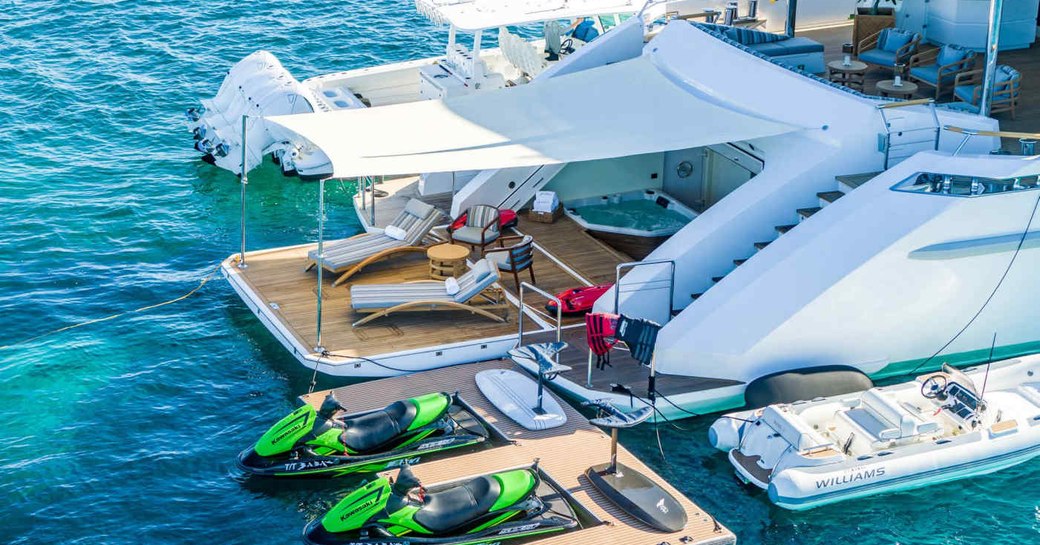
x=578, y=300
x=640, y=336
x=600, y=330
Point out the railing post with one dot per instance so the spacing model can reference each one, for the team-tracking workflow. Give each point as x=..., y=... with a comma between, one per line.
x=372, y=209
x=319, y=348
x=245, y=182
x=996, y=8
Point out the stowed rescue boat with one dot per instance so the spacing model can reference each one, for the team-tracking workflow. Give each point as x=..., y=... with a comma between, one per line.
x=937, y=428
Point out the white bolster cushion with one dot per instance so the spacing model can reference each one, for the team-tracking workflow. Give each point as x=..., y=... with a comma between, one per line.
x=395, y=232
x=452, y=286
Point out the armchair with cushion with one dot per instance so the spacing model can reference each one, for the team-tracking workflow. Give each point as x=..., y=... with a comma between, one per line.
x=481, y=227
x=515, y=258
x=939, y=67
x=889, y=47
x=1006, y=87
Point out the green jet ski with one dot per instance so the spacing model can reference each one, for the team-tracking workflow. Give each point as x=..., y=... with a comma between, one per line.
x=329, y=442
x=491, y=508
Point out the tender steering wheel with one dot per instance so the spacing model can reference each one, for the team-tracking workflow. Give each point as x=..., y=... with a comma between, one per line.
x=567, y=46
x=934, y=387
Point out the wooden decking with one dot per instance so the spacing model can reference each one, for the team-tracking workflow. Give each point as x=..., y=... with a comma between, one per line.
x=279, y=278
x=564, y=452
x=1026, y=61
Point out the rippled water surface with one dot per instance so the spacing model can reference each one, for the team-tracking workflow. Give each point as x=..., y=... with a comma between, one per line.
x=125, y=431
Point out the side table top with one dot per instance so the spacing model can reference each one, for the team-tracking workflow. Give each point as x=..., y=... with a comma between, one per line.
x=854, y=66
x=889, y=86
x=447, y=252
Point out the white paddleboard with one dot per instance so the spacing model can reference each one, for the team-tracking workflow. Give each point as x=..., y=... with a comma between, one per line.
x=516, y=396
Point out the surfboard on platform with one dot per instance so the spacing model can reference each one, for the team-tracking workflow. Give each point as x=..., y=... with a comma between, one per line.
x=516, y=395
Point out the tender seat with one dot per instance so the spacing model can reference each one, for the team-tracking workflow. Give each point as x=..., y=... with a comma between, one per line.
x=368, y=432
x=884, y=419
x=452, y=508
x=793, y=429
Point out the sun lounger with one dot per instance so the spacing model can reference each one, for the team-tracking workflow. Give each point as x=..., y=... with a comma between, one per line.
x=475, y=295
x=351, y=255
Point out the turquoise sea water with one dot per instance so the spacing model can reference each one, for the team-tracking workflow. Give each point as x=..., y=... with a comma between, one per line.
x=125, y=431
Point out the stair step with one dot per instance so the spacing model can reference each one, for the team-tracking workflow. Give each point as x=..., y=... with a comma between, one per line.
x=852, y=181
x=717, y=279
x=739, y=262
x=762, y=245
x=806, y=213
x=695, y=296
x=783, y=229
x=830, y=196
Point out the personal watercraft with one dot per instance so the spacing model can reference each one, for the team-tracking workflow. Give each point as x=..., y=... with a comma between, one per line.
x=329, y=442
x=490, y=508
x=578, y=300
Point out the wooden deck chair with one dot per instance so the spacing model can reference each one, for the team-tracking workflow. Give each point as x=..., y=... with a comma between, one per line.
x=516, y=258
x=482, y=227
x=476, y=294
x=1006, y=88
x=939, y=67
x=888, y=47
x=350, y=256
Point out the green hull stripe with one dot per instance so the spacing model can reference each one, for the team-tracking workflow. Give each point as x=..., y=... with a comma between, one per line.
x=961, y=359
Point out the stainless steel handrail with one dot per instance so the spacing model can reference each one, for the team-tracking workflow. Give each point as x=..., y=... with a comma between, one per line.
x=633, y=264
x=617, y=295
x=520, y=318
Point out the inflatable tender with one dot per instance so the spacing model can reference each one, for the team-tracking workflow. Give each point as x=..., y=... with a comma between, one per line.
x=937, y=428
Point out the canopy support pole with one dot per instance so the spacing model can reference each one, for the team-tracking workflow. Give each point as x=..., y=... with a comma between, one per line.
x=372, y=209
x=245, y=181
x=996, y=8
x=321, y=258
x=792, y=12
x=451, y=39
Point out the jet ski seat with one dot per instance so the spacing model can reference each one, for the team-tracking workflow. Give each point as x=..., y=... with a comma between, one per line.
x=447, y=510
x=370, y=431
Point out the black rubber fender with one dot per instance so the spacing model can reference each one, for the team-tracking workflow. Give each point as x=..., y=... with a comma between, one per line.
x=805, y=384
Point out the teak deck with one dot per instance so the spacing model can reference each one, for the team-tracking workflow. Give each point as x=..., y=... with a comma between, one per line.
x=564, y=452
x=279, y=278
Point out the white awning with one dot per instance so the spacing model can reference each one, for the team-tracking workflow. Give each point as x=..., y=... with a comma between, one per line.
x=472, y=15
x=623, y=109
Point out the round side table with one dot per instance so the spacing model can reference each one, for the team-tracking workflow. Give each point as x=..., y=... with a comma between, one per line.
x=850, y=76
x=447, y=261
x=888, y=88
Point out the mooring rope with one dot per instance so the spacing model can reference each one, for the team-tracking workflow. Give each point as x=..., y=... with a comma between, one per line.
x=117, y=315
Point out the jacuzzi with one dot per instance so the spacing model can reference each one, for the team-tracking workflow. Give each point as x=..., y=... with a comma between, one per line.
x=635, y=222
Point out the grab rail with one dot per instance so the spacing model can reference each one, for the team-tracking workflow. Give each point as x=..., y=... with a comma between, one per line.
x=634, y=264
x=617, y=296
x=905, y=103
x=1001, y=134
x=885, y=143
x=520, y=319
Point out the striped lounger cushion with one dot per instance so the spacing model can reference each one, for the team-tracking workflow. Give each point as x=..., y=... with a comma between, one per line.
x=379, y=296
x=417, y=219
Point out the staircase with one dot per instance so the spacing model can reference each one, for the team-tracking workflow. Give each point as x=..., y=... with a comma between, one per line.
x=508, y=187
x=844, y=185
